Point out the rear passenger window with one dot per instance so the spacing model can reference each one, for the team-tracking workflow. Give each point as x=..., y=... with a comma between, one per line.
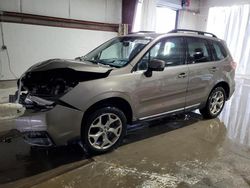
x=219, y=52
x=198, y=51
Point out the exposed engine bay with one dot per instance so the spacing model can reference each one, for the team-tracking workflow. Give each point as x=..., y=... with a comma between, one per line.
x=42, y=90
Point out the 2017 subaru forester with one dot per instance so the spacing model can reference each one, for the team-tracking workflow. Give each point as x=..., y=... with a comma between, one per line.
x=130, y=78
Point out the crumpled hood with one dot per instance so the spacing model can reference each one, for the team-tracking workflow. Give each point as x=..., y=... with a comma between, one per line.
x=64, y=63
x=53, y=78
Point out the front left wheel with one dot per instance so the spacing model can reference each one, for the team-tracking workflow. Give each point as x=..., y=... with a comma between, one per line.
x=104, y=129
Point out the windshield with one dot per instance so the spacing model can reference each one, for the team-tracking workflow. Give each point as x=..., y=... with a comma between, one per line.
x=117, y=52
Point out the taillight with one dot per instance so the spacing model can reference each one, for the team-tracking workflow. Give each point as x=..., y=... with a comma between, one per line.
x=233, y=64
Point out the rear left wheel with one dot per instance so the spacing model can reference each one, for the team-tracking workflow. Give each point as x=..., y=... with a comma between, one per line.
x=104, y=129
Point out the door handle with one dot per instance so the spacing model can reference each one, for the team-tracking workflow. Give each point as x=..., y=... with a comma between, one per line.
x=213, y=69
x=182, y=75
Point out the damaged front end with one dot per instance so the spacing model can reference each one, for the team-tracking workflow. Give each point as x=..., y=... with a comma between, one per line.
x=42, y=90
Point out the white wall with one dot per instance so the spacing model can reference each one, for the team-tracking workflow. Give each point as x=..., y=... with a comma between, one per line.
x=108, y=11
x=205, y=5
x=29, y=44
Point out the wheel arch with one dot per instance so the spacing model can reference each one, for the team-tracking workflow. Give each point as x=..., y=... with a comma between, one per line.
x=204, y=110
x=117, y=102
x=225, y=86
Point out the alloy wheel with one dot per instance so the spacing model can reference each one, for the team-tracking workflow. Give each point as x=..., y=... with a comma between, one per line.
x=104, y=131
x=216, y=102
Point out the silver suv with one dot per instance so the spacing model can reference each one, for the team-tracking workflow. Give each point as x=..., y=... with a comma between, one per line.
x=127, y=79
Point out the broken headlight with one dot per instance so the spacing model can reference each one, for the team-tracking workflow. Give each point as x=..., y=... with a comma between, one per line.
x=43, y=89
x=49, y=85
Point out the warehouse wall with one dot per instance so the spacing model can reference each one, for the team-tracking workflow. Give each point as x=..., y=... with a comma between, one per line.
x=188, y=19
x=196, y=15
x=29, y=44
x=108, y=11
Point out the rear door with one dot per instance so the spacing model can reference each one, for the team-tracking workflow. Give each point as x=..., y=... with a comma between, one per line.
x=203, y=71
x=163, y=92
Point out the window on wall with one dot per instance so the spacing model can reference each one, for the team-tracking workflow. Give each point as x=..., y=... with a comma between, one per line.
x=137, y=20
x=165, y=18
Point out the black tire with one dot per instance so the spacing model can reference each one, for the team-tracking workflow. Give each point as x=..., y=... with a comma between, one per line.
x=206, y=111
x=93, y=119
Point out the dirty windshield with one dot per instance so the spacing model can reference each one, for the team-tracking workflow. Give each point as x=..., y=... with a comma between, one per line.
x=117, y=52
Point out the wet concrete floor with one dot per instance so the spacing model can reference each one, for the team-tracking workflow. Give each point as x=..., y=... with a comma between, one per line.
x=19, y=160
x=180, y=151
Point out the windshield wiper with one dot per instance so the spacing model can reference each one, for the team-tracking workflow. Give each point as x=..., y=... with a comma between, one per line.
x=90, y=60
x=110, y=65
x=83, y=58
x=97, y=62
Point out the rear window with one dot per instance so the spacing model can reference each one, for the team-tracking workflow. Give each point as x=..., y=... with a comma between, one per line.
x=219, y=51
x=198, y=51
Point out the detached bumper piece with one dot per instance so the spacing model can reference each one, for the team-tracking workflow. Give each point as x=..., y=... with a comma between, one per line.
x=38, y=138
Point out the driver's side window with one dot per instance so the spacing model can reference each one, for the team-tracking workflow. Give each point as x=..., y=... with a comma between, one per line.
x=143, y=63
x=170, y=50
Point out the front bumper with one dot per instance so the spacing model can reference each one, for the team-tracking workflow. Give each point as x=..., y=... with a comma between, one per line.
x=47, y=123
x=38, y=138
x=57, y=126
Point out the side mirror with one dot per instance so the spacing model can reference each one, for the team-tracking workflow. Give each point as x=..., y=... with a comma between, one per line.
x=155, y=65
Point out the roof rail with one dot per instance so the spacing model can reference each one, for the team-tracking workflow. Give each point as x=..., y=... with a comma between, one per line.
x=142, y=32
x=193, y=31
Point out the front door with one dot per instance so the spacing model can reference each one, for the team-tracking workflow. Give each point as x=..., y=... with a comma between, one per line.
x=163, y=92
